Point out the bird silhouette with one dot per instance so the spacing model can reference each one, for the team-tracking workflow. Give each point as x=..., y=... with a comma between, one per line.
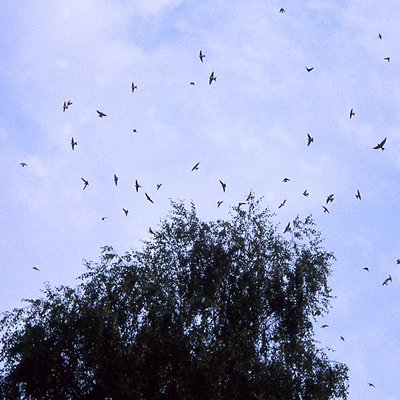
x=352, y=113
x=387, y=59
x=115, y=180
x=329, y=199
x=325, y=210
x=310, y=139
x=159, y=186
x=86, y=182
x=387, y=280
x=305, y=193
x=133, y=87
x=366, y=269
x=101, y=114
x=398, y=261
x=358, y=195
x=342, y=338
x=137, y=186
x=288, y=228
x=36, y=268
x=192, y=83
x=134, y=130
x=309, y=69
x=380, y=145
x=23, y=164
x=66, y=105
x=223, y=185
x=324, y=326
x=371, y=384
x=282, y=10
x=195, y=167
x=219, y=203
x=73, y=143
x=282, y=204
x=103, y=218
x=201, y=56
x=285, y=180
x=212, y=78
x=125, y=211
x=379, y=36
x=148, y=198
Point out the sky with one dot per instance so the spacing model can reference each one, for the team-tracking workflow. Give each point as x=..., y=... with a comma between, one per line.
x=248, y=128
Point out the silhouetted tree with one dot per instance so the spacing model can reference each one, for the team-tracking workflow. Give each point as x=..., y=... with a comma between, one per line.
x=207, y=310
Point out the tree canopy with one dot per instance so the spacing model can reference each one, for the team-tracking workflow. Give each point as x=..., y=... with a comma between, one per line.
x=205, y=310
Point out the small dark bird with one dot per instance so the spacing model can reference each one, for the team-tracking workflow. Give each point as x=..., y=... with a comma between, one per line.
x=329, y=199
x=192, y=83
x=342, y=338
x=101, y=114
x=380, y=145
x=366, y=269
x=398, y=261
x=387, y=280
x=305, y=193
x=125, y=211
x=387, y=59
x=223, y=185
x=133, y=87
x=195, y=167
x=134, y=130
x=66, y=105
x=325, y=210
x=310, y=139
x=23, y=164
x=286, y=180
x=159, y=186
x=324, y=326
x=148, y=198
x=73, y=143
x=371, y=384
x=115, y=180
x=358, y=195
x=212, y=78
x=309, y=69
x=137, y=186
x=201, y=56
x=85, y=182
x=282, y=10
x=219, y=203
x=379, y=36
x=288, y=228
x=282, y=204
x=352, y=113
x=36, y=268
x=103, y=218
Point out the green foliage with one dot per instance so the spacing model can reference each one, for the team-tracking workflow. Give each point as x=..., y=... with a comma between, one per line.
x=217, y=310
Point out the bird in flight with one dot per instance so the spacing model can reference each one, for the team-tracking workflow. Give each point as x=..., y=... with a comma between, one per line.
x=115, y=180
x=23, y=164
x=309, y=69
x=324, y=326
x=86, y=182
x=212, y=78
x=379, y=36
x=387, y=59
x=387, y=280
x=330, y=198
x=101, y=114
x=358, y=195
x=223, y=185
x=148, y=198
x=380, y=145
x=371, y=384
x=73, y=144
x=305, y=193
x=137, y=186
x=196, y=167
x=36, y=268
x=125, y=211
x=366, y=269
x=352, y=113
x=288, y=228
x=398, y=261
x=192, y=83
x=325, y=210
x=103, y=218
x=286, y=180
x=282, y=10
x=159, y=186
x=219, y=203
x=66, y=105
x=133, y=87
x=342, y=338
x=282, y=204
x=310, y=139
x=201, y=56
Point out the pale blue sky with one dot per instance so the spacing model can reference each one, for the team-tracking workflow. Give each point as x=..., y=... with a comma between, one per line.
x=249, y=129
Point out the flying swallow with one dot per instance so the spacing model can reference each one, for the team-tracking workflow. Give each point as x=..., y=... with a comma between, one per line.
x=195, y=167
x=103, y=218
x=352, y=113
x=125, y=211
x=342, y=338
x=137, y=186
x=379, y=36
x=85, y=182
x=192, y=83
x=73, y=143
x=358, y=195
x=36, y=268
x=282, y=10
x=398, y=261
x=66, y=105
x=286, y=180
x=309, y=69
x=223, y=185
x=148, y=198
x=101, y=114
x=288, y=228
x=387, y=280
x=219, y=203
x=310, y=139
x=201, y=56
x=366, y=269
x=282, y=204
x=371, y=384
x=387, y=59
x=23, y=164
x=324, y=326
x=134, y=130
x=325, y=210
x=305, y=193
x=212, y=78
x=159, y=186
x=380, y=145
x=133, y=87
x=329, y=199
x=115, y=180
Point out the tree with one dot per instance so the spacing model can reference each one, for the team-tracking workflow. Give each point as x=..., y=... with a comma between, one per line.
x=217, y=310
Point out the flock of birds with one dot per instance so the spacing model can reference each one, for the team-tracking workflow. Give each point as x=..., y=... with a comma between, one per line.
x=288, y=228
